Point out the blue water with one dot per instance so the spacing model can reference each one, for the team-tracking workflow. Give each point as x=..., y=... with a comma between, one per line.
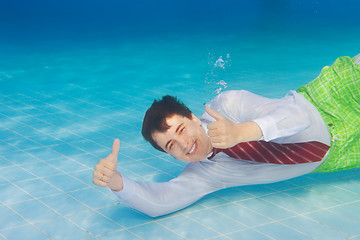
x=74, y=75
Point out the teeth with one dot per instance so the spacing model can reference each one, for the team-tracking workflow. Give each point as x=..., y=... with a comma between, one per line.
x=192, y=149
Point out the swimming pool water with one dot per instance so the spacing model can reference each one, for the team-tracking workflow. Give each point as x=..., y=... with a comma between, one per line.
x=70, y=85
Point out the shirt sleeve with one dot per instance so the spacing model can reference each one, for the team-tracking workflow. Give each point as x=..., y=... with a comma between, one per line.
x=276, y=117
x=160, y=198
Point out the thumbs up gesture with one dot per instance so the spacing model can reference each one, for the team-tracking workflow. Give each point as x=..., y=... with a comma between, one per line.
x=105, y=173
x=224, y=133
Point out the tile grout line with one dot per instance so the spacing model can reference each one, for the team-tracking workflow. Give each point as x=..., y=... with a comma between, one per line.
x=63, y=192
x=29, y=222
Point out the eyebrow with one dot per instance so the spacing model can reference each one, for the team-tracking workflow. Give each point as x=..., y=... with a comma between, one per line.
x=177, y=129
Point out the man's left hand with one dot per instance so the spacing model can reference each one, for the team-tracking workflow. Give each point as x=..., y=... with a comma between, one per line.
x=224, y=133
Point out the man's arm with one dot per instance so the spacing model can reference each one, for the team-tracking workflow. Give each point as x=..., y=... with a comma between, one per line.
x=247, y=117
x=160, y=198
x=153, y=198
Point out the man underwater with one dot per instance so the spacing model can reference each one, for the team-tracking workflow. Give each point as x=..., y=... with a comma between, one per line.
x=325, y=111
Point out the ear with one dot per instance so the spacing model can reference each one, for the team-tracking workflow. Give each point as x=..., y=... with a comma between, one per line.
x=194, y=118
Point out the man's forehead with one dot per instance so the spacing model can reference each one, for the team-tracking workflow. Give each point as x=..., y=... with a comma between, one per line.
x=174, y=120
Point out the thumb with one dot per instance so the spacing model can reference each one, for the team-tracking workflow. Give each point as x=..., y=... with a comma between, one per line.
x=213, y=113
x=115, y=150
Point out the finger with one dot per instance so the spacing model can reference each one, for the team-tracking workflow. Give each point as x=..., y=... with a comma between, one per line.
x=106, y=163
x=217, y=139
x=216, y=126
x=213, y=113
x=101, y=177
x=212, y=125
x=115, y=150
x=104, y=170
x=105, y=178
x=219, y=145
x=213, y=133
x=98, y=182
x=97, y=175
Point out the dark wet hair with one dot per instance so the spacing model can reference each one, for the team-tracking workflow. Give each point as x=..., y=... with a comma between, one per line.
x=155, y=117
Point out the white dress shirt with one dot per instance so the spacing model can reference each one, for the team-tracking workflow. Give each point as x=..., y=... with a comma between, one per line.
x=287, y=120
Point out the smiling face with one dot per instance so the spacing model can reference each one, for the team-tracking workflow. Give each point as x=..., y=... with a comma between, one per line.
x=186, y=139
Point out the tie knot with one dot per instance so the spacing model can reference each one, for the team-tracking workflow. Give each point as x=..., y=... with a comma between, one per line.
x=214, y=152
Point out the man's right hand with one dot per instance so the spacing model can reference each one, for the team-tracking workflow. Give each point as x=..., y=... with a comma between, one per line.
x=105, y=173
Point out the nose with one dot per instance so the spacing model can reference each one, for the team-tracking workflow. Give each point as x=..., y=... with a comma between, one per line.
x=183, y=142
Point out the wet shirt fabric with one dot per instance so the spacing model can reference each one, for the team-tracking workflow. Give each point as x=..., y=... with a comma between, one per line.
x=290, y=119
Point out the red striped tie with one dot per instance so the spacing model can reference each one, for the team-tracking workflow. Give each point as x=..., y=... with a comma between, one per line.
x=270, y=152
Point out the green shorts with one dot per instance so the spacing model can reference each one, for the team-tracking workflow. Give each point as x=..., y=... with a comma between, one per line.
x=336, y=94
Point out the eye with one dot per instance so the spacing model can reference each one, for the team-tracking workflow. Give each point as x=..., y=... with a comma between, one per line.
x=182, y=130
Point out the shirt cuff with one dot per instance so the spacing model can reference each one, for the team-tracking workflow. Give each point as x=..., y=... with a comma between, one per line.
x=267, y=125
x=128, y=190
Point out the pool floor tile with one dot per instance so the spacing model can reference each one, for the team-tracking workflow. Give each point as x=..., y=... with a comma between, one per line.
x=66, y=165
x=44, y=154
x=248, y=234
x=335, y=221
x=20, y=157
x=216, y=221
x=281, y=232
x=348, y=185
x=65, y=182
x=9, y=218
x=24, y=143
x=55, y=228
x=6, y=148
x=314, y=229
x=120, y=235
x=117, y=212
x=37, y=188
x=334, y=192
x=89, y=146
x=290, y=203
x=64, y=204
x=24, y=232
x=95, y=223
x=188, y=228
x=155, y=231
x=11, y=194
x=5, y=163
x=41, y=169
x=34, y=211
x=213, y=200
x=234, y=194
x=266, y=208
x=93, y=198
x=313, y=198
x=348, y=211
x=16, y=174
x=242, y=214
x=67, y=149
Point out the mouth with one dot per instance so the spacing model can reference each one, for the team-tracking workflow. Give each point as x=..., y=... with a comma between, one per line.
x=192, y=150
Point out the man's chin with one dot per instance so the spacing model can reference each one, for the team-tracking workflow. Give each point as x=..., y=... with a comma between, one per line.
x=192, y=159
x=196, y=158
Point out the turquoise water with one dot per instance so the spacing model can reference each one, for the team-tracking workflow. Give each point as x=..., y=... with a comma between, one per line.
x=74, y=76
